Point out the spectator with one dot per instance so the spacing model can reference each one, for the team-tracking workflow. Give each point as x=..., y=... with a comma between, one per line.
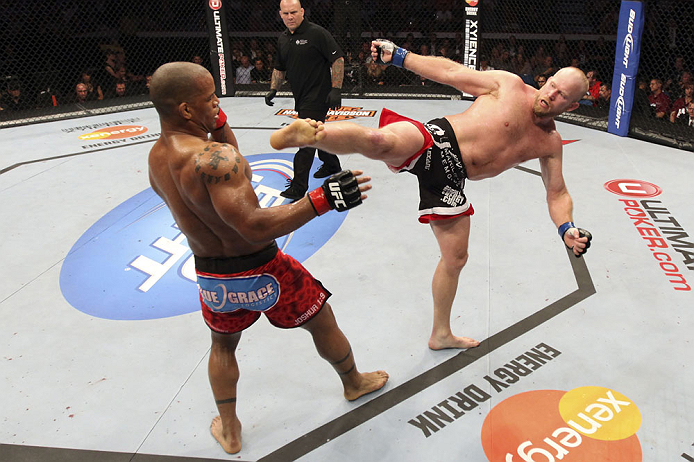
x=521, y=66
x=538, y=59
x=254, y=50
x=679, y=107
x=659, y=100
x=431, y=41
x=376, y=74
x=236, y=55
x=604, y=96
x=591, y=96
x=197, y=59
x=512, y=46
x=675, y=74
x=540, y=80
x=81, y=94
x=561, y=52
x=243, y=72
x=15, y=100
x=119, y=89
x=504, y=62
x=546, y=67
x=142, y=87
x=685, y=78
x=687, y=119
x=110, y=64
x=93, y=88
x=259, y=74
x=484, y=64
x=642, y=104
x=581, y=53
x=46, y=97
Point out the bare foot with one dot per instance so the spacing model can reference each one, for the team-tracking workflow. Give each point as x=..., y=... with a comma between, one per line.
x=452, y=341
x=370, y=381
x=303, y=132
x=230, y=442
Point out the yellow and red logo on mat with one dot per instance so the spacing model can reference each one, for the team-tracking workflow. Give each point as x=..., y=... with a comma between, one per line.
x=343, y=113
x=585, y=424
x=114, y=133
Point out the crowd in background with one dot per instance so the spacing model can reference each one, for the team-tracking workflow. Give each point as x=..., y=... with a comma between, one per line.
x=71, y=75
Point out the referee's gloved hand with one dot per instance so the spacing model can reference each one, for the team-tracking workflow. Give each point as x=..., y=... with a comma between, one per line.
x=334, y=99
x=268, y=97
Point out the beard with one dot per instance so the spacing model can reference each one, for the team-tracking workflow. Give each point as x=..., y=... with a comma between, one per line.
x=539, y=109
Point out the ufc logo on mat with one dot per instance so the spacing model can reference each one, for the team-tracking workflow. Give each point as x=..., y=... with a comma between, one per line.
x=335, y=192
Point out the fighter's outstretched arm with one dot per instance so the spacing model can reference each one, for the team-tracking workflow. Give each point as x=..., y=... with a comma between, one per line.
x=560, y=205
x=222, y=171
x=439, y=69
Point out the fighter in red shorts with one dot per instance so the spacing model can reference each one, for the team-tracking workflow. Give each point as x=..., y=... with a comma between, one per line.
x=234, y=291
x=241, y=273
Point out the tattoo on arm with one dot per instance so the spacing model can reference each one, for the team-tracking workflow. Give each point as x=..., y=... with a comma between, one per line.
x=277, y=79
x=338, y=72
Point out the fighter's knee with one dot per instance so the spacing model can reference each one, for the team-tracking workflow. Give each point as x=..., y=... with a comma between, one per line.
x=456, y=261
x=381, y=141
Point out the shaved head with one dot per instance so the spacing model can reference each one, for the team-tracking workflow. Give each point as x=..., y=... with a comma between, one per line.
x=576, y=80
x=176, y=83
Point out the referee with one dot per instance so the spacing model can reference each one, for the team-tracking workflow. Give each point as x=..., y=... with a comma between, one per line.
x=314, y=65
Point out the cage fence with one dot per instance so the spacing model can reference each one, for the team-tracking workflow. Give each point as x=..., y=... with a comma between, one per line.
x=62, y=59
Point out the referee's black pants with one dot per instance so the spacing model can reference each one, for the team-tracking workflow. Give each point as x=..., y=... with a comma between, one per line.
x=303, y=159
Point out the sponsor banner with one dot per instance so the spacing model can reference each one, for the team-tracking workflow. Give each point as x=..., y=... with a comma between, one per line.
x=135, y=264
x=585, y=424
x=658, y=228
x=343, y=113
x=111, y=133
x=472, y=34
x=219, y=48
x=627, y=52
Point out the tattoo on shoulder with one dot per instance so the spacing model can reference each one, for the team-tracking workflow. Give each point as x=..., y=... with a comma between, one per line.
x=212, y=162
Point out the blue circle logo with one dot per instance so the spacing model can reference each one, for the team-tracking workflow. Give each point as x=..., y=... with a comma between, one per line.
x=135, y=264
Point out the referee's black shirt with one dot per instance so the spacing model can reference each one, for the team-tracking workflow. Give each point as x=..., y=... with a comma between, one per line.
x=306, y=57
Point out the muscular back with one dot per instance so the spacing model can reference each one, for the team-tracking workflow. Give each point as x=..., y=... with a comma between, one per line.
x=189, y=174
x=500, y=130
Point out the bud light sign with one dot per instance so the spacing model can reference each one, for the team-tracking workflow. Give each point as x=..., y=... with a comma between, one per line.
x=626, y=65
x=134, y=263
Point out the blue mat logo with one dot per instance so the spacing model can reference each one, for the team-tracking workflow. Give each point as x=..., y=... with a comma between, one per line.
x=134, y=263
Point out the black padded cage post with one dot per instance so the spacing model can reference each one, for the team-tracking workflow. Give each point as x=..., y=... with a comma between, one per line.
x=219, y=48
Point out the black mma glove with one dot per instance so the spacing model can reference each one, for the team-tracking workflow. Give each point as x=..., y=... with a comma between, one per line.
x=339, y=192
x=398, y=54
x=334, y=98
x=581, y=233
x=268, y=97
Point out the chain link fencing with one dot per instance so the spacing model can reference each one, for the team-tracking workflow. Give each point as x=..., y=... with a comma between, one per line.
x=53, y=50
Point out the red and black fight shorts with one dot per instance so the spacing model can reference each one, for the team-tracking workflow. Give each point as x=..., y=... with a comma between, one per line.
x=234, y=291
x=439, y=168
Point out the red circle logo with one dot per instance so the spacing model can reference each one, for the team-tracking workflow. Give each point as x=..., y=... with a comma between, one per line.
x=215, y=4
x=584, y=424
x=633, y=188
x=472, y=2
